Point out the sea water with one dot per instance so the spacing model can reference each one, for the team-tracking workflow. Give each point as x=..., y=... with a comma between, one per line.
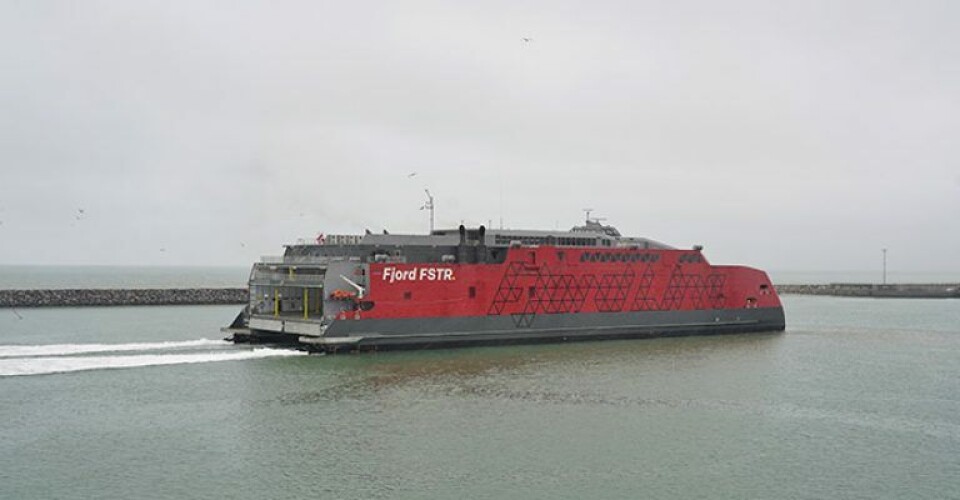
x=859, y=398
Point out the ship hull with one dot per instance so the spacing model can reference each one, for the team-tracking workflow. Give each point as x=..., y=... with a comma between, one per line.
x=427, y=333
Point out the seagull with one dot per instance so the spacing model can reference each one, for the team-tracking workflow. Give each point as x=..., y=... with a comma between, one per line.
x=80, y=213
x=526, y=39
x=412, y=174
x=163, y=249
x=15, y=312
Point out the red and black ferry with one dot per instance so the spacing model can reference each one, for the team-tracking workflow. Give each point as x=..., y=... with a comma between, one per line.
x=477, y=286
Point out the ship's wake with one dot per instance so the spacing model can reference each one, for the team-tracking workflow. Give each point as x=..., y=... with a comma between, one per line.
x=64, y=358
x=19, y=351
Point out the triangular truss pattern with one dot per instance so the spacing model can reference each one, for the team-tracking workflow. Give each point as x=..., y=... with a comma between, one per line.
x=701, y=292
x=510, y=289
x=715, y=284
x=613, y=290
x=526, y=290
x=644, y=300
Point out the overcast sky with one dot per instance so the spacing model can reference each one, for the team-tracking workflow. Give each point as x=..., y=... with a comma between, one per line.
x=784, y=135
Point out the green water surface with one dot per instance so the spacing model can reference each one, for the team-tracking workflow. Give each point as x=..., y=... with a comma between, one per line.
x=860, y=398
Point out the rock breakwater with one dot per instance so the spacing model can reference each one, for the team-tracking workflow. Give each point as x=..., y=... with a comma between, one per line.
x=122, y=297
x=900, y=290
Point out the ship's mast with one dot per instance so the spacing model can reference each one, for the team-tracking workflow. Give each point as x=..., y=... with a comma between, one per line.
x=593, y=219
x=429, y=206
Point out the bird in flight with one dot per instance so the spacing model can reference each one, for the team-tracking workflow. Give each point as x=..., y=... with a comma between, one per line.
x=412, y=174
x=526, y=39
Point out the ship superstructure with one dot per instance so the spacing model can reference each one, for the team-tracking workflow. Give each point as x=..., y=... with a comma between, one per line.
x=477, y=286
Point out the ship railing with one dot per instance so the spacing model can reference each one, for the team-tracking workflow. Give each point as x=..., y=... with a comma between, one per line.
x=274, y=278
x=316, y=259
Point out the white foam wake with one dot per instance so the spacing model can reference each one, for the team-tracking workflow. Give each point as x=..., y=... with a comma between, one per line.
x=18, y=351
x=46, y=365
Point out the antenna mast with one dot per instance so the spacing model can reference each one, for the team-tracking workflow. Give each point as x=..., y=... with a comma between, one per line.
x=429, y=206
x=593, y=219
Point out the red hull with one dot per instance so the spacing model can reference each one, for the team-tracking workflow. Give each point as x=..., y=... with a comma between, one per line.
x=558, y=280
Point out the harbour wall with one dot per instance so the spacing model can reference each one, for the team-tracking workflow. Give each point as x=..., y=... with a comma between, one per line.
x=122, y=297
x=900, y=290
x=210, y=296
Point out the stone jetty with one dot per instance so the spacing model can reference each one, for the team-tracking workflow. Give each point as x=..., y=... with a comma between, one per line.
x=209, y=296
x=122, y=297
x=899, y=290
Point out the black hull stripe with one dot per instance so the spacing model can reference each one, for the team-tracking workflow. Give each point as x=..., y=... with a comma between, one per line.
x=564, y=330
x=493, y=330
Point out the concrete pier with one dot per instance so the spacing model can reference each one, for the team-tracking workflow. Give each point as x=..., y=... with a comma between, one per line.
x=122, y=297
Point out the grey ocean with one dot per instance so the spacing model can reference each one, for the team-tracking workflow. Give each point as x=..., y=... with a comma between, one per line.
x=859, y=398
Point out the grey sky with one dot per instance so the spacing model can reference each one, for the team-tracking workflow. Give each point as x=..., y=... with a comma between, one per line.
x=784, y=135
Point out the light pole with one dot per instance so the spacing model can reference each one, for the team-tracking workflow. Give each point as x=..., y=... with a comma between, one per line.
x=884, y=266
